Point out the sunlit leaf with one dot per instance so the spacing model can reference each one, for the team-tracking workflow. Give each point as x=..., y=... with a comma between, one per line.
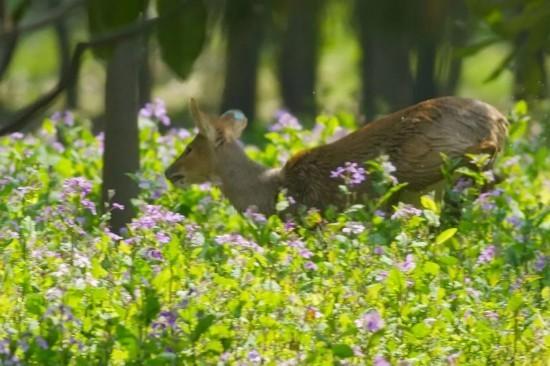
x=182, y=35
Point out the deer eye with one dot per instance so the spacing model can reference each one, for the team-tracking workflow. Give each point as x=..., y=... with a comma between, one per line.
x=187, y=150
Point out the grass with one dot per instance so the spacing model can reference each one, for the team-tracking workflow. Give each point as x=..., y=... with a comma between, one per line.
x=193, y=282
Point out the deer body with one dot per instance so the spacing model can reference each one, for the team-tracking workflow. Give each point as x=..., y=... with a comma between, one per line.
x=413, y=138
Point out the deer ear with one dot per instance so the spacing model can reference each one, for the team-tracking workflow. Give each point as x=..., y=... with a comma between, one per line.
x=233, y=123
x=202, y=121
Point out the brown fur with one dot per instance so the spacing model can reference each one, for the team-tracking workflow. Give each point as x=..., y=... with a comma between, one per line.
x=413, y=138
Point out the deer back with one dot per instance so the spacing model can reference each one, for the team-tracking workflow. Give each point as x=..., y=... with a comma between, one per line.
x=414, y=139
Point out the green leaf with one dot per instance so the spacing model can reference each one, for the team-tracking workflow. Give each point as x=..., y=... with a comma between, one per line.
x=204, y=323
x=431, y=268
x=396, y=280
x=515, y=303
x=151, y=306
x=520, y=108
x=127, y=339
x=182, y=35
x=445, y=235
x=342, y=350
x=428, y=203
x=420, y=330
x=105, y=16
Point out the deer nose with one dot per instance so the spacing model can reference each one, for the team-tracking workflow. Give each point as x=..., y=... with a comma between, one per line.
x=173, y=176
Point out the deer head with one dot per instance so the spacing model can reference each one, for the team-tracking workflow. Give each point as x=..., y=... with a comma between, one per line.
x=198, y=162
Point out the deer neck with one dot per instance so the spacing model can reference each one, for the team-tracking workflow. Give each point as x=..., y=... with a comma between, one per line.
x=244, y=182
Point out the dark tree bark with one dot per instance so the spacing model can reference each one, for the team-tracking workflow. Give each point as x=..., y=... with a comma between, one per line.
x=245, y=24
x=425, y=84
x=430, y=31
x=387, y=82
x=121, y=155
x=459, y=33
x=145, y=75
x=298, y=58
x=530, y=76
x=7, y=46
x=64, y=44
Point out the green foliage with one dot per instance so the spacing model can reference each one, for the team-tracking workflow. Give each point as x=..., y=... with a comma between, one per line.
x=181, y=36
x=525, y=24
x=181, y=33
x=192, y=281
x=105, y=16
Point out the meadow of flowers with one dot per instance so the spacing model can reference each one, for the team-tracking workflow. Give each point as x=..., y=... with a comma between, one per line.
x=191, y=281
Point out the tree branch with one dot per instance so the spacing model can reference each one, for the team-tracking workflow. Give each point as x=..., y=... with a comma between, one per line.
x=24, y=116
x=43, y=21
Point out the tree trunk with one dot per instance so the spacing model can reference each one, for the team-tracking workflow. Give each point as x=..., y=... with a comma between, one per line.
x=64, y=44
x=145, y=75
x=425, y=84
x=298, y=59
x=387, y=82
x=7, y=47
x=245, y=27
x=459, y=33
x=121, y=155
x=530, y=77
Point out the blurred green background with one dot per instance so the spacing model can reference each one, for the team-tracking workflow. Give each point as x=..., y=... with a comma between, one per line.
x=337, y=41
x=106, y=59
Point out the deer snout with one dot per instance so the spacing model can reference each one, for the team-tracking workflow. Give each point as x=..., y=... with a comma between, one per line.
x=173, y=175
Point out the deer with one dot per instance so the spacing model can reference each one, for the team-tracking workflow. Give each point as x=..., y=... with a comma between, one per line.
x=414, y=138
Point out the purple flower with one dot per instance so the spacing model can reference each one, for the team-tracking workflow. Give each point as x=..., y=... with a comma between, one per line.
x=485, y=200
x=462, y=184
x=309, y=265
x=4, y=347
x=473, y=292
x=289, y=225
x=388, y=168
x=285, y=120
x=64, y=116
x=169, y=317
x=41, y=342
x=89, y=205
x=491, y=315
x=117, y=206
x=162, y=237
x=253, y=214
x=380, y=361
x=405, y=211
x=515, y=221
x=353, y=227
x=408, y=265
x=511, y=161
x=351, y=173
x=254, y=356
x=58, y=147
x=17, y=136
x=378, y=250
x=487, y=254
x=381, y=276
x=297, y=244
x=238, y=241
x=153, y=254
x=370, y=321
x=380, y=213
x=452, y=359
x=357, y=351
x=77, y=185
x=306, y=253
x=153, y=216
x=156, y=110
x=166, y=319
x=540, y=262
